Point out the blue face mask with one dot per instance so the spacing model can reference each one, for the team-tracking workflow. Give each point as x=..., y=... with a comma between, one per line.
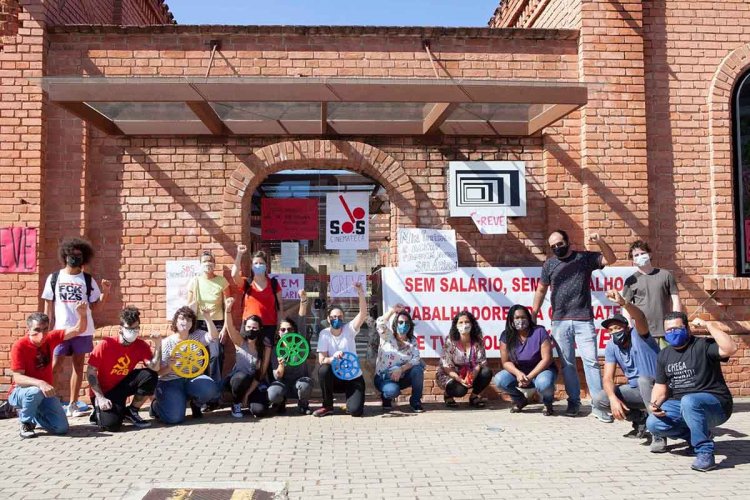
x=337, y=323
x=677, y=337
x=402, y=328
x=259, y=268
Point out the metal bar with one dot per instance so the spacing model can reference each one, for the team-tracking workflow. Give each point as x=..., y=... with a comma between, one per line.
x=208, y=116
x=436, y=116
x=550, y=116
x=92, y=116
x=323, y=118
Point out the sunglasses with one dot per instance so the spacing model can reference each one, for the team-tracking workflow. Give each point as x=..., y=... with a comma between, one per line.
x=558, y=245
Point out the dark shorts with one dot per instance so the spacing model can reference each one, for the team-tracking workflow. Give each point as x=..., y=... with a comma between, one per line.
x=76, y=345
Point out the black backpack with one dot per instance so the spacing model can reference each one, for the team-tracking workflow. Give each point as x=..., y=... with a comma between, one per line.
x=86, y=278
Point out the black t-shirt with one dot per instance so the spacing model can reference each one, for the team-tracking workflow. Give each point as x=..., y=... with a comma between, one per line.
x=695, y=368
x=569, y=280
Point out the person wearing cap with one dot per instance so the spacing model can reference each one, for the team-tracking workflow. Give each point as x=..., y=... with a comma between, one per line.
x=634, y=350
x=113, y=378
x=690, y=395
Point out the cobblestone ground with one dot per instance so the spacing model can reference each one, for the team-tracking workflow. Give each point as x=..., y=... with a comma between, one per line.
x=443, y=453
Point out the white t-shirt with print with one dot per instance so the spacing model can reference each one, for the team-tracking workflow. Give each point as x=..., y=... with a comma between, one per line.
x=70, y=288
x=329, y=344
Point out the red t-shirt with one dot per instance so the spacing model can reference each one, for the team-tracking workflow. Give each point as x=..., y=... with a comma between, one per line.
x=115, y=361
x=261, y=303
x=35, y=361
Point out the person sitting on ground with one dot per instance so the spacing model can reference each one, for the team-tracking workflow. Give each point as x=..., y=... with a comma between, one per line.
x=291, y=381
x=634, y=350
x=113, y=378
x=333, y=342
x=32, y=392
x=690, y=395
x=526, y=353
x=245, y=381
x=173, y=391
x=463, y=365
x=398, y=365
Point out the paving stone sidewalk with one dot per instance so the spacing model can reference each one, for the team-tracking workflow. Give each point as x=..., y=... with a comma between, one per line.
x=440, y=454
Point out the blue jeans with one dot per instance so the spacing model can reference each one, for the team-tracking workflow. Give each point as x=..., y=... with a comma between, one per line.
x=544, y=383
x=173, y=395
x=568, y=335
x=689, y=418
x=34, y=408
x=413, y=378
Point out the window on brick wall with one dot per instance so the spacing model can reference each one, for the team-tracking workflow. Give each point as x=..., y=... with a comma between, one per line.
x=741, y=122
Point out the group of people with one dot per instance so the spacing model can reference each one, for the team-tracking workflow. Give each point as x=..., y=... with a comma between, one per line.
x=676, y=392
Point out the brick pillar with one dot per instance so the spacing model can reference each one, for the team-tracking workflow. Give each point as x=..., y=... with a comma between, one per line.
x=613, y=123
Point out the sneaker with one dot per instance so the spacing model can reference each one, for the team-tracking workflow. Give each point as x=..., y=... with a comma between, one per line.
x=387, y=404
x=658, y=444
x=27, y=430
x=196, y=410
x=279, y=408
x=417, y=408
x=323, y=411
x=602, y=416
x=132, y=416
x=76, y=409
x=519, y=406
x=572, y=410
x=152, y=411
x=303, y=407
x=237, y=410
x=548, y=410
x=92, y=418
x=704, y=462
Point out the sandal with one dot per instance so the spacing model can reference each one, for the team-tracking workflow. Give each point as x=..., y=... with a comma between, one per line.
x=450, y=402
x=477, y=402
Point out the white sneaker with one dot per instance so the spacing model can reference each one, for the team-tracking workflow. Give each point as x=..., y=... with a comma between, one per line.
x=602, y=416
x=237, y=410
x=77, y=409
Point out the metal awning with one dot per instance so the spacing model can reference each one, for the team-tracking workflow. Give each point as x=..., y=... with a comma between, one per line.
x=314, y=106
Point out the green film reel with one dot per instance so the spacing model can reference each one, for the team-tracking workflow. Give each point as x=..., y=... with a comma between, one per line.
x=293, y=348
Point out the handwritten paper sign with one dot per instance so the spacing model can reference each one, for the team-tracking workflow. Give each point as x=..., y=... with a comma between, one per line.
x=289, y=219
x=290, y=284
x=17, y=250
x=289, y=254
x=342, y=284
x=491, y=221
x=347, y=221
x=427, y=251
x=179, y=274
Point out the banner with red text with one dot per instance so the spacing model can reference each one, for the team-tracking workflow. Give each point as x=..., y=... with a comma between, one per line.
x=488, y=293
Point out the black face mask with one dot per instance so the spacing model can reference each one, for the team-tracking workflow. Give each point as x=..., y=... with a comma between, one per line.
x=74, y=260
x=620, y=338
x=249, y=334
x=560, y=251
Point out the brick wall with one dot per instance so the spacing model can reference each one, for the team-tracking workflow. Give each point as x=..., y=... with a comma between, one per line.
x=537, y=14
x=119, y=12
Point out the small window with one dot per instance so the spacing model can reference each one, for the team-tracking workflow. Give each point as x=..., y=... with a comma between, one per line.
x=741, y=118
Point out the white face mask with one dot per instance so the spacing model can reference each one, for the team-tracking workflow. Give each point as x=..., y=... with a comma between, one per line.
x=464, y=328
x=129, y=334
x=184, y=325
x=208, y=267
x=642, y=259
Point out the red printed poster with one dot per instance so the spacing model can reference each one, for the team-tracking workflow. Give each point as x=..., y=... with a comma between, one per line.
x=747, y=240
x=17, y=250
x=289, y=219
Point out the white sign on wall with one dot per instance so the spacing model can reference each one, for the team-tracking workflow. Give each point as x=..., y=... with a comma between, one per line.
x=479, y=186
x=347, y=221
x=488, y=293
x=290, y=284
x=427, y=251
x=179, y=273
x=341, y=285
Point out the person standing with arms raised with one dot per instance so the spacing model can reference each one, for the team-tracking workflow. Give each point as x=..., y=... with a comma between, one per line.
x=568, y=274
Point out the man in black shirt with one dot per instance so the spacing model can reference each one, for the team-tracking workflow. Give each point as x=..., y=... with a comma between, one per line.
x=690, y=395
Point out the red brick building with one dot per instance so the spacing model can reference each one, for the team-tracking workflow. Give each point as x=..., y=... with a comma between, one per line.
x=142, y=161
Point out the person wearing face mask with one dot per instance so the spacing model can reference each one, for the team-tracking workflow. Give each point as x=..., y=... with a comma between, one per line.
x=261, y=294
x=172, y=391
x=526, y=353
x=63, y=289
x=653, y=290
x=31, y=391
x=398, y=364
x=333, y=342
x=690, y=395
x=463, y=364
x=568, y=274
x=113, y=378
x=245, y=380
x=208, y=291
x=634, y=350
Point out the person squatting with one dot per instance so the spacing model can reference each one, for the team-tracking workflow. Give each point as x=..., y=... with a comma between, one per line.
x=673, y=383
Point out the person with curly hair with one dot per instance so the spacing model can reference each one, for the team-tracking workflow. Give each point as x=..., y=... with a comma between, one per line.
x=463, y=365
x=63, y=289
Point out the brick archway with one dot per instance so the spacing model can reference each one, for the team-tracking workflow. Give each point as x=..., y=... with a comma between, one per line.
x=734, y=65
x=313, y=154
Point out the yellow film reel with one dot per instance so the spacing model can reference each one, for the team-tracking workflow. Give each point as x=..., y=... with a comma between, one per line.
x=191, y=358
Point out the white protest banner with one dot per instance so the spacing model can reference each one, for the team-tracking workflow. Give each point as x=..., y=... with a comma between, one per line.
x=289, y=254
x=179, y=274
x=347, y=257
x=347, y=221
x=427, y=250
x=342, y=284
x=488, y=293
x=290, y=285
x=490, y=221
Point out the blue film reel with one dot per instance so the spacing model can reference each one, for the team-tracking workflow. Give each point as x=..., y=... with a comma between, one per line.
x=346, y=368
